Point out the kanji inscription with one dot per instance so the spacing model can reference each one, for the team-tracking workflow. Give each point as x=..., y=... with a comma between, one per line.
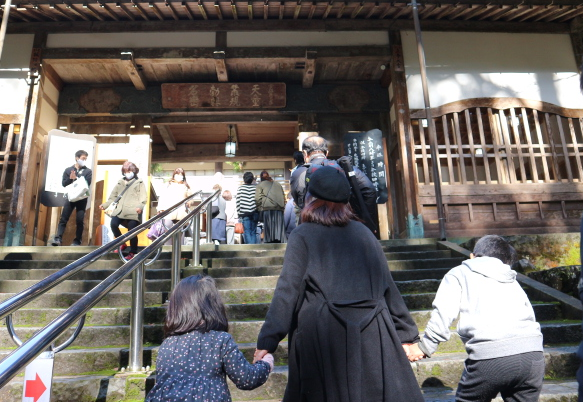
x=262, y=95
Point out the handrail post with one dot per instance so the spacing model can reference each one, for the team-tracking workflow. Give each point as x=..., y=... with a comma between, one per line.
x=209, y=223
x=137, y=320
x=176, y=251
x=196, y=241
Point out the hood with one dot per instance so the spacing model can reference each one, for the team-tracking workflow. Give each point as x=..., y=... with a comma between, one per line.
x=492, y=268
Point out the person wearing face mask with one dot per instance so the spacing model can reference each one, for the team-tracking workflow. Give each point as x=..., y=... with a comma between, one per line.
x=71, y=174
x=128, y=212
x=177, y=190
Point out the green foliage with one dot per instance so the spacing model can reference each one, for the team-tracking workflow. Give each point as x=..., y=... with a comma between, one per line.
x=156, y=168
x=237, y=166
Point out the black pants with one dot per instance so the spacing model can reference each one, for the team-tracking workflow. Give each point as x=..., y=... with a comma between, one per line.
x=129, y=224
x=80, y=207
x=518, y=378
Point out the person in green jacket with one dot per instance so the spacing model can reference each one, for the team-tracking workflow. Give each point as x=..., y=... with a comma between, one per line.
x=128, y=212
x=270, y=201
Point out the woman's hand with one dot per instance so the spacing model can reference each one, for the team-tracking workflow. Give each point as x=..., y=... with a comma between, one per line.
x=259, y=354
x=414, y=353
x=139, y=210
x=101, y=207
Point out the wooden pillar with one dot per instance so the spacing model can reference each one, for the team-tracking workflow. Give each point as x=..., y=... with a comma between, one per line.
x=401, y=128
x=287, y=166
x=18, y=212
x=386, y=227
x=577, y=41
x=218, y=167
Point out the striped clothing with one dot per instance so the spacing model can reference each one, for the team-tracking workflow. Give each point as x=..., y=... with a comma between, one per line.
x=246, y=200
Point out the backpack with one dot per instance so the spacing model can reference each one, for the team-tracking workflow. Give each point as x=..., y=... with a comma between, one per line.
x=311, y=168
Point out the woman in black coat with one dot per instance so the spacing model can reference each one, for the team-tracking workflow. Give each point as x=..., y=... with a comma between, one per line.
x=347, y=322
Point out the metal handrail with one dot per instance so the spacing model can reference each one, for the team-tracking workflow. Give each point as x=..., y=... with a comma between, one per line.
x=12, y=304
x=38, y=343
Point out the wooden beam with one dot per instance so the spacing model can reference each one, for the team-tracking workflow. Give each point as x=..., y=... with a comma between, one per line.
x=167, y=136
x=49, y=72
x=284, y=25
x=177, y=55
x=274, y=151
x=221, y=66
x=309, y=69
x=138, y=79
x=213, y=117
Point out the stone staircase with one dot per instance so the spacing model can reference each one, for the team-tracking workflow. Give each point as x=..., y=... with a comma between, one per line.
x=246, y=275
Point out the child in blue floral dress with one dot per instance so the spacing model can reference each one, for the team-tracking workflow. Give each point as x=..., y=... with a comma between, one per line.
x=198, y=353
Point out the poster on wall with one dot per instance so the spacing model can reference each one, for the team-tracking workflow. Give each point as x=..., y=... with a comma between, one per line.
x=61, y=155
x=366, y=152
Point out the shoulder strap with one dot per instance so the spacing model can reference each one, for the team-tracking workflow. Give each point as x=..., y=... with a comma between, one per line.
x=124, y=190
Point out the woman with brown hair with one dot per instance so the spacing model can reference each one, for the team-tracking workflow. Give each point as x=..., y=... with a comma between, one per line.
x=348, y=325
x=130, y=206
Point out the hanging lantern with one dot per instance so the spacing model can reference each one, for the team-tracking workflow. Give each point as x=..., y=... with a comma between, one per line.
x=230, y=145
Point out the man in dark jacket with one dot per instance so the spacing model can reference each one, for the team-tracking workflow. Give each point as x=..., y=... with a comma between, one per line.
x=315, y=150
x=71, y=174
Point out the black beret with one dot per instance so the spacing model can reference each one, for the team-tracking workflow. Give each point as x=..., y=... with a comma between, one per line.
x=330, y=184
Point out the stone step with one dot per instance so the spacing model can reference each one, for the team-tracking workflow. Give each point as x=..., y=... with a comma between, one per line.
x=417, y=255
x=65, y=300
x=152, y=285
x=402, y=265
x=58, y=264
x=418, y=274
x=86, y=274
x=134, y=387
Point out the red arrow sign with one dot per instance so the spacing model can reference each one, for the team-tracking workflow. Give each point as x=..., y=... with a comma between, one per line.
x=35, y=388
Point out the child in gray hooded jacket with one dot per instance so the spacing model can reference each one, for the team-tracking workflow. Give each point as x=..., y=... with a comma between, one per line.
x=496, y=324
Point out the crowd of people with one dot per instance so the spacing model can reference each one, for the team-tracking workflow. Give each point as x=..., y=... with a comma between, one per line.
x=350, y=335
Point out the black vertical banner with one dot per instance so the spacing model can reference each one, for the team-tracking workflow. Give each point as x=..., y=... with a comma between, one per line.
x=366, y=152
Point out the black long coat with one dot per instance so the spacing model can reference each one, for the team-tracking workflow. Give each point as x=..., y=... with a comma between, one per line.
x=345, y=318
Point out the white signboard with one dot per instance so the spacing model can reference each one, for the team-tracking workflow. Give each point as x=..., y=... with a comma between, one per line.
x=61, y=155
x=38, y=378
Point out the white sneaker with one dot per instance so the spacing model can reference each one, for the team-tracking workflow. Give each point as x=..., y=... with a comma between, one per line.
x=217, y=242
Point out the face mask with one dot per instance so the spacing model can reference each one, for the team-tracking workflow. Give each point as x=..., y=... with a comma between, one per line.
x=81, y=162
x=178, y=177
x=129, y=175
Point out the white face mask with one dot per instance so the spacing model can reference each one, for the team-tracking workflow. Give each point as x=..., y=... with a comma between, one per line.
x=178, y=177
x=81, y=162
x=129, y=175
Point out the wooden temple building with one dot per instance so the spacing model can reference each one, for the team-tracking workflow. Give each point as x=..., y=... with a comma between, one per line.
x=502, y=75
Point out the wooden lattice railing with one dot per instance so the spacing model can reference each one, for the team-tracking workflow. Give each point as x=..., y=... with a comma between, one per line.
x=506, y=164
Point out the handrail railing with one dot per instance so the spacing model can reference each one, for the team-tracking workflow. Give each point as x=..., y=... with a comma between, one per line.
x=12, y=304
x=43, y=339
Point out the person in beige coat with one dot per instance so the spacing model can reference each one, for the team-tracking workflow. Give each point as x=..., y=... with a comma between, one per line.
x=128, y=212
x=177, y=190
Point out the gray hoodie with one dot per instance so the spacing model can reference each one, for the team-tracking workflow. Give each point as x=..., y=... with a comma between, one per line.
x=496, y=318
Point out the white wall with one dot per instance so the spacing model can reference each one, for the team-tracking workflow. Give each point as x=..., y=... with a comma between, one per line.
x=13, y=71
x=474, y=65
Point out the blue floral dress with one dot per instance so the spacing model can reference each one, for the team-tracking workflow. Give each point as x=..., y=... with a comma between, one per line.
x=193, y=367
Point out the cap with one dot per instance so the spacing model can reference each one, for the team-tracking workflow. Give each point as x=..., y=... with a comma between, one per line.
x=330, y=184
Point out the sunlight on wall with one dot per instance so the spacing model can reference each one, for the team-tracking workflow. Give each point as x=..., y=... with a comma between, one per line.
x=474, y=65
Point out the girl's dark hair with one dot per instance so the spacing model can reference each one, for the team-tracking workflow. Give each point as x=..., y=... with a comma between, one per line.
x=326, y=213
x=195, y=305
x=248, y=178
x=129, y=167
